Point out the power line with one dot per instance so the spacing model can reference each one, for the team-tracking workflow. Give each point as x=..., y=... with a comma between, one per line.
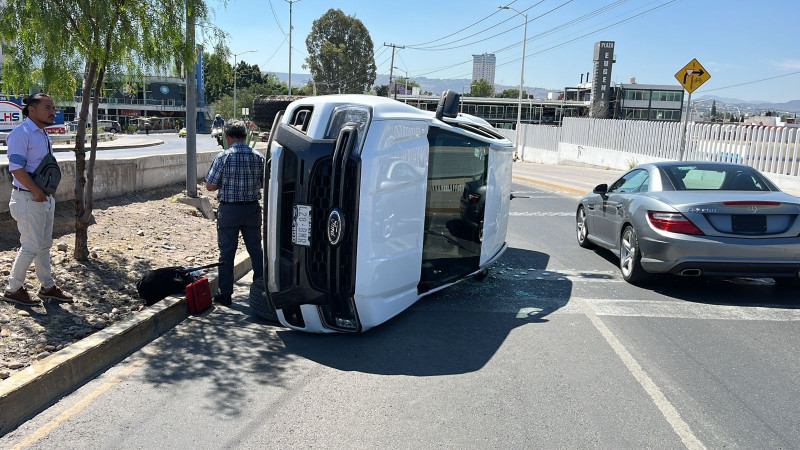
x=466, y=27
x=276, y=19
x=583, y=35
x=277, y=49
x=750, y=82
x=433, y=47
x=538, y=36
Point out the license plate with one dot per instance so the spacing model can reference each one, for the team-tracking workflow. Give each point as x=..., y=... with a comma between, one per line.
x=749, y=224
x=301, y=225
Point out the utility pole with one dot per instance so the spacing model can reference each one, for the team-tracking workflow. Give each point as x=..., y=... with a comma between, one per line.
x=191, y=108
x=685, y=125
x=391, y=67
x=290, y=42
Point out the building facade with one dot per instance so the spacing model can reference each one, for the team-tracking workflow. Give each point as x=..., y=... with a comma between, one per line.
x=483, y=66
x=649, y=102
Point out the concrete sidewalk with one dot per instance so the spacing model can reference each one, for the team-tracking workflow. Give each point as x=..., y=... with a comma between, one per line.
x=33, y=389
x=572, y=179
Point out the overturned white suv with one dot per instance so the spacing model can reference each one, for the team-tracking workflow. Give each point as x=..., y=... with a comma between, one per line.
x=371, y=204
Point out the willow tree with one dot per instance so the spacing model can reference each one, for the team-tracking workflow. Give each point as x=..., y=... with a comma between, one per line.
x=47, y=40
x=340, y=54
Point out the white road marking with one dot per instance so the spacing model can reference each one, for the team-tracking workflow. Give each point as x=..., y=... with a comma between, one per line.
x=680, y=309
x=669, y=412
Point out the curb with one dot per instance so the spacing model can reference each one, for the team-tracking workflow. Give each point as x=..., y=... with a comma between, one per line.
x=548, y=184
x=29, y=391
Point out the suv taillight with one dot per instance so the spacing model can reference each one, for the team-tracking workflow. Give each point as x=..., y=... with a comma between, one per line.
x=673, y=222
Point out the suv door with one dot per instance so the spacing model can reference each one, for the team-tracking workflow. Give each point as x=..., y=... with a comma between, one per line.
x=455, y=207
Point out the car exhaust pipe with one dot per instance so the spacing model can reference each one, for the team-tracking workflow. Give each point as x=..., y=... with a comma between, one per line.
x=691, y=272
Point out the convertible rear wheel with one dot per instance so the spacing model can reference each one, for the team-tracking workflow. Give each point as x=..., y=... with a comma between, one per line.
x=582, y=229
x=630, y=257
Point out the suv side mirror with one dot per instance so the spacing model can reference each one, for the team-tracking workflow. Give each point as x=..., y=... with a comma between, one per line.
x=600, y=189
x=448, y=105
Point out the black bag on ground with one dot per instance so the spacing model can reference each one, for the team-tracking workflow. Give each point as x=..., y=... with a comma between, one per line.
x=159, y=284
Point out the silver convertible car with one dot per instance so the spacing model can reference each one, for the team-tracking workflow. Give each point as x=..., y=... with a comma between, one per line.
x=693, y=219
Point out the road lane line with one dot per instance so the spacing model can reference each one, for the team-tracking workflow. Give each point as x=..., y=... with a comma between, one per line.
x=669, y=412
x=47, y=428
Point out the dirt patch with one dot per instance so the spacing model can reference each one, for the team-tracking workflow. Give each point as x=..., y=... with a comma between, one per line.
x=131, y=235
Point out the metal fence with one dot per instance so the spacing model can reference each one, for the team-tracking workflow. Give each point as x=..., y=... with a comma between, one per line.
x=767, y=148
x=544, y=137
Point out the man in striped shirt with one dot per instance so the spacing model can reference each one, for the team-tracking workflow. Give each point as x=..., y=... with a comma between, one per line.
x=237, y=173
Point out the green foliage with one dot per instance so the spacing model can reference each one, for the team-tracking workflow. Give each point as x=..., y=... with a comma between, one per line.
x=382, y=90
x=217, y=74
x=481, y=88
x=714, y=108
x=55, y=39
x=244, y=97
x=512, y=93
x=340, y=54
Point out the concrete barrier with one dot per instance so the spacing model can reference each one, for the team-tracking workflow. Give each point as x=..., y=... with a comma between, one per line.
x=115, y=177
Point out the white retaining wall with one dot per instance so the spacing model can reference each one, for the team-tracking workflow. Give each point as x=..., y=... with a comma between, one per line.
x=115, y=177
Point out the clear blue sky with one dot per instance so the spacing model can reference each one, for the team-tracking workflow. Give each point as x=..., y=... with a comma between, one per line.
x=737, y=41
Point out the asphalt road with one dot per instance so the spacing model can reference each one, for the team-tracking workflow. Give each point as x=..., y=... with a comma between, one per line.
x=553, y=350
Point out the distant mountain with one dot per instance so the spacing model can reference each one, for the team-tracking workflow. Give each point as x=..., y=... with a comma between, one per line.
x=790, y=106
x=435, y=85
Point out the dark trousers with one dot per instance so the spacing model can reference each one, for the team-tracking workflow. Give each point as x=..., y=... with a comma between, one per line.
x=231, y=219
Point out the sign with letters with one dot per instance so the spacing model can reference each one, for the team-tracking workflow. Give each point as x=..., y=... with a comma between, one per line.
x=601, y=82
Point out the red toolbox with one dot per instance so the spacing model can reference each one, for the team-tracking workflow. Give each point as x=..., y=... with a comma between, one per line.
x=198, y=295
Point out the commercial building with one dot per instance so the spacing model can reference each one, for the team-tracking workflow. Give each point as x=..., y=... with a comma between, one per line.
x=648, y=102
x=483, y=66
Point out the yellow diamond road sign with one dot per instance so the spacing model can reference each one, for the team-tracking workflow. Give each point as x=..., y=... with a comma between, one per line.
x=692, y=75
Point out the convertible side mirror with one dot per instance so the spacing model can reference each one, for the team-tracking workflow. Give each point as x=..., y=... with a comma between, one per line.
x=600, y=189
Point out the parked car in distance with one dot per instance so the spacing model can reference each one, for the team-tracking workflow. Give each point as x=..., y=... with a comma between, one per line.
x=182, y=132
x=693, y=219
x=264, y=136
x=108, y=125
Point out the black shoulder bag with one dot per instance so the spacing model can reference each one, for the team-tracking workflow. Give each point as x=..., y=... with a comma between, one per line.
x=47, y=175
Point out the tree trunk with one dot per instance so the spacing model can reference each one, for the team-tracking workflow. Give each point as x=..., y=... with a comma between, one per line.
x=81, y=252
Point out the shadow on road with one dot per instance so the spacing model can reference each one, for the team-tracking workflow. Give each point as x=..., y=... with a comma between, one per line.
x=734, y=291
x=457, y=330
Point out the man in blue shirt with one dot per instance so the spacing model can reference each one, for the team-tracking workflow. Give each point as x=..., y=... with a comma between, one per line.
x=33, y=210
x=237, y=173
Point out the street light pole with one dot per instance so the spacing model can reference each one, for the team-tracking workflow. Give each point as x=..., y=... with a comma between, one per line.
x=234, y=79
x=290, y=2
x=521, y=76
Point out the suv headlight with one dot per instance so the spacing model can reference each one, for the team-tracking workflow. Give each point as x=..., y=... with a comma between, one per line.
x=357, y=115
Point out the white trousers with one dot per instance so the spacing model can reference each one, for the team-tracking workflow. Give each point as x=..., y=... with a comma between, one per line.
x=35, y=224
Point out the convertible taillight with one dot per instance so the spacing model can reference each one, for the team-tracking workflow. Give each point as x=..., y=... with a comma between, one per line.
x=473, y=198
x=673, y=222
x=751, y=202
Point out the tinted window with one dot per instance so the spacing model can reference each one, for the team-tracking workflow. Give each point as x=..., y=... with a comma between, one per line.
x=715, y=177
x=630, y=182
x=454, y=208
